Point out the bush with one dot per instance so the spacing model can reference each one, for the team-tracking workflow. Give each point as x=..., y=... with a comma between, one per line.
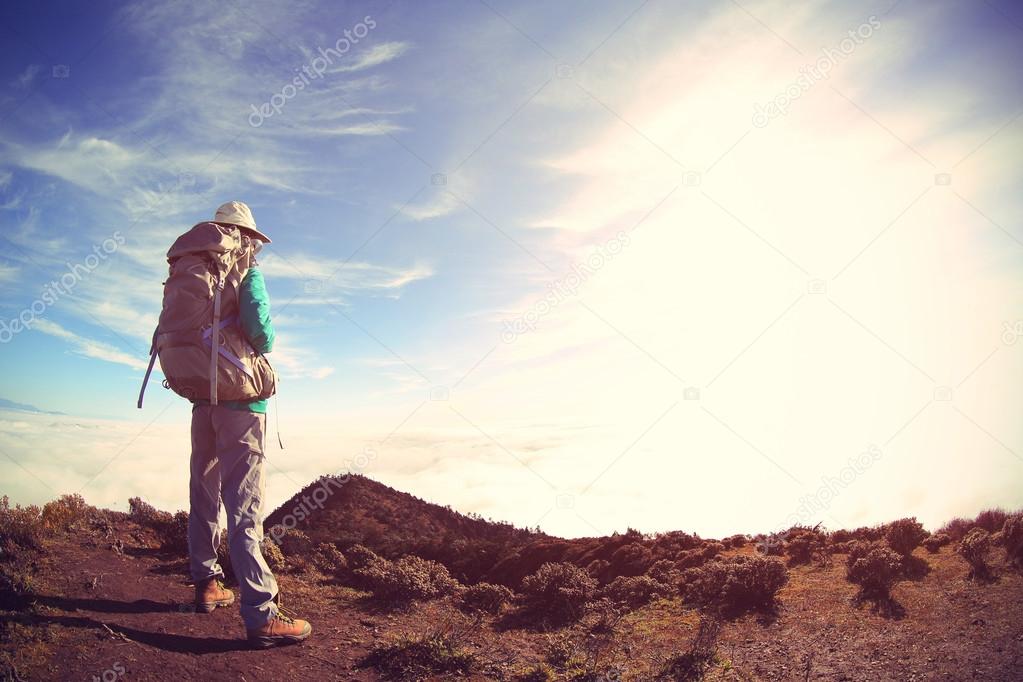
x=735, y=541
x=329, y=559
x=485, y=597
x=1012, y=538
x=406, y=579
x=974, y=548
x=295, y=543
x=541, y=672
x=805, y=546
x=145, y=514
x=629, y=560
x=607, y=615
x=64, y=512
x=905, y=535
x=173, y=533
x=360, y=557
x=272, y=554
x=991, y=520
x=771, y=545
x=874, y=568
x=559, y=590
x=634, y=591
x=20, y=527
x=933, y=543
x=415, y=658
x=735, y=585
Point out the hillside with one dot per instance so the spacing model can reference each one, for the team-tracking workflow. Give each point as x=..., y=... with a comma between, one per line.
x=358, y=510
x=95, y=594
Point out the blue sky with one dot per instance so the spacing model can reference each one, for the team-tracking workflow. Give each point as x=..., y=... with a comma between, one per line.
x=714, y=309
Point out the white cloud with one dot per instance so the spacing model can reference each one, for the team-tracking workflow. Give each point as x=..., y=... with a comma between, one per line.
x=374, y=56
x=87, y=347
x=442, y=204
x=334, y=274
x=8, y=273
x=28, y=76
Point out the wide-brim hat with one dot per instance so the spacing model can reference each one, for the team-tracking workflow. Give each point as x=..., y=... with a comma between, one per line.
x=239, y=214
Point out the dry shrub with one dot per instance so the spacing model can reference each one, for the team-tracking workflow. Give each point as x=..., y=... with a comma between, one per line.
x=272, y=554
x=735, y=585
x=329, y=559
x=875, y=569
x=631, y=559
x=607, y=615
x=485, y=597
x=145, y=514
x=735, y=541
x=541, y=672
x=904, y=535
x=805, y=546
x=633, y=592
x=295, y=543
x=974, y=549
x=1012, y=538
x=558, y=590
x=65, y=512
x=407, y=579
x=416, y=658
x=934, y=542
x=20, y=527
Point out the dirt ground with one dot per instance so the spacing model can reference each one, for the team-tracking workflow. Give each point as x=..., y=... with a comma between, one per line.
x=110, y=615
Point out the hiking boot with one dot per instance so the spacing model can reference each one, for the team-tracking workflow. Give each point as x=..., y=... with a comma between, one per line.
x=279, y=630
x=211, y=593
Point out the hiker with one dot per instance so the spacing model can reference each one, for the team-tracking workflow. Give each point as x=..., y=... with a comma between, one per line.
x=213, y=333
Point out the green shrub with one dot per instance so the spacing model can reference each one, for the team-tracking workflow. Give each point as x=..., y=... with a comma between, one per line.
x=20, y=527
x=485, y=597
x=416, y=658
x=559, y=590
x=904, y=535
x=974, y=549
x=874, y=568
x=735, y=585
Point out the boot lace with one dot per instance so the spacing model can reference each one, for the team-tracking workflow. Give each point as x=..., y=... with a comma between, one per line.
x=284, y=615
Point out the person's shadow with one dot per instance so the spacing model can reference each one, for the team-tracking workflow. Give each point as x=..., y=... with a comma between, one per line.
x=160, y=640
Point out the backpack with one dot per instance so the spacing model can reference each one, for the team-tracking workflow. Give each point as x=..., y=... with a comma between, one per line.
x=207, y=265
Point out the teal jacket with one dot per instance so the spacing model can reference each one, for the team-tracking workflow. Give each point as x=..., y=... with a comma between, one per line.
x=254, y=314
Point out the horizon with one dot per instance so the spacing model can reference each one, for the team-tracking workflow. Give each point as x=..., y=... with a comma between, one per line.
x=582, y=268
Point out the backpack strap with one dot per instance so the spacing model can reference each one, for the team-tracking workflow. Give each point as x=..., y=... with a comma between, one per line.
x=215, y=341
x=149, y=370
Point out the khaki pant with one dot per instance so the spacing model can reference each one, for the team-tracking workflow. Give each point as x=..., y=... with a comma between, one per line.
x=227, y=465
